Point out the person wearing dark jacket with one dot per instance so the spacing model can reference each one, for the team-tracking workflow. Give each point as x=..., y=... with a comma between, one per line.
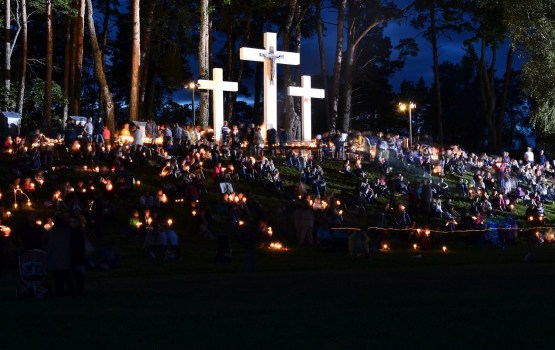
x=31, y=233
x=58, y=248
x=77, y=254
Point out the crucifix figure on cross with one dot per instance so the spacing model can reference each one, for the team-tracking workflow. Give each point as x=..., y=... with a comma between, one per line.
x=307, y=93
x=218, y=86
x=271, y=58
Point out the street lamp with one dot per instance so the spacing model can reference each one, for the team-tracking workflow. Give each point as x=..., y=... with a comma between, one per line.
x=192, y=85
x=410, y=106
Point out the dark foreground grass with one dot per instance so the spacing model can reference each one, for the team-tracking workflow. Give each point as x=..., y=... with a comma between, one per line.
x=389, y=301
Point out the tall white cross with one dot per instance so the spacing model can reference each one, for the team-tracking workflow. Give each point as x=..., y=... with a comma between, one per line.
x=271, y=59
x=218, y=86
x=307, y=93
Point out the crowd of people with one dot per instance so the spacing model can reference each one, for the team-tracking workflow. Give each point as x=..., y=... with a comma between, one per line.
x=410, y=180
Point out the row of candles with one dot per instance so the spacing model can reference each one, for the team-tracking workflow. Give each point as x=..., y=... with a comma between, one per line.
x=385, y=247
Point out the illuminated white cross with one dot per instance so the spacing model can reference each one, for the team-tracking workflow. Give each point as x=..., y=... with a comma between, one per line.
x=218, y=86
x=271, y=58
x=307, y=93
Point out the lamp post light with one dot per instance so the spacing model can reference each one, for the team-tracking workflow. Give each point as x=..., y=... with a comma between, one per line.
x=192, y=85
x=410, y=106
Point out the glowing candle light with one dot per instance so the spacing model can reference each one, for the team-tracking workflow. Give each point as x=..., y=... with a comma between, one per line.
x=444, y=249
x=194, y=213
x=170, y=222
x=415, y=246
x=6, y=231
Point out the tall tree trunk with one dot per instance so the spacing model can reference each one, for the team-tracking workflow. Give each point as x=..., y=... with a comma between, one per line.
x=151, y=88
x=336, y=79
x=105, y=28
x=145, y=55
x=257, y=107
x=286, y=43
x=99, y=69
x=7, y=53
x=296, y=121
x=22, y=80
x=67, y=61
x=258, y=74
x=437, y=87
x=230, y=67
x=135, y=62
x=488, y=96
x=79, y=43
x=504, y=96
x=47, y=120
x=348, y=85
x=322, y=51
x=73, y=58
x=103, y=49
x=204, y=59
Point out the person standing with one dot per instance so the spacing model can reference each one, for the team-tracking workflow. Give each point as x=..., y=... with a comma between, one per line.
x=250, y=237
x=283, y=138
x=271, y=136
x=225, y=131
x=529, y=156
x=258, y=140
x=88, y=129
x=98, y=130
x=137, y=139
x=177, y=135
x=58, y=248
x=77, y=254
x=303, y=221
x=107, y=135
x=151, y=129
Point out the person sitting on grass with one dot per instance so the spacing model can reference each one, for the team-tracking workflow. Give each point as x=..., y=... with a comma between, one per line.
x=358, y=244
x=346, y=169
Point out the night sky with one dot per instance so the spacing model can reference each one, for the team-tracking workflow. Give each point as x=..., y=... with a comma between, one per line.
x=450, y=49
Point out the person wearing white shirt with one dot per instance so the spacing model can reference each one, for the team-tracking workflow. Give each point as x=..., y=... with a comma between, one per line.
x=88, y=129
x=137, y=138
x=529, y=156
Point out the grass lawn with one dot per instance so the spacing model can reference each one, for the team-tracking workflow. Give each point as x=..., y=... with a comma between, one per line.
x=475, y=296
x=300, y=299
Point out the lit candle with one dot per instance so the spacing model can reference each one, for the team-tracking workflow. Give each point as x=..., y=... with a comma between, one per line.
x=444, y=249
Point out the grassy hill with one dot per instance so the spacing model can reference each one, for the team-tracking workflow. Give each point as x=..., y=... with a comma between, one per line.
x=474, y=296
